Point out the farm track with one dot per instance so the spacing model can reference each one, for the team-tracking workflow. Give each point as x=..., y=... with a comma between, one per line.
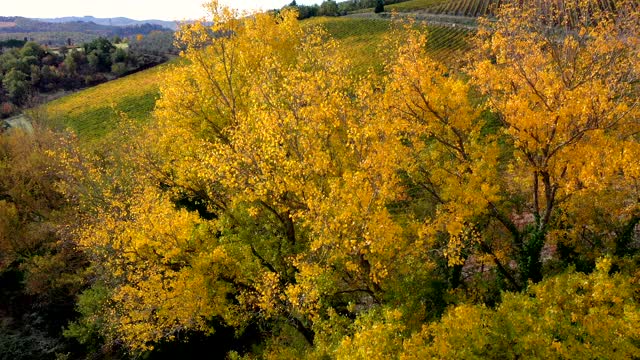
x=16, y=122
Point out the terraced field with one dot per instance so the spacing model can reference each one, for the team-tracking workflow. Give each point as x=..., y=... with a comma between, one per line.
x=448, y=44
x=362, y=38
x=465, y=7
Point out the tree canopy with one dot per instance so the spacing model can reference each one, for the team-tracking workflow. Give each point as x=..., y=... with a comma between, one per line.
x=419, y=211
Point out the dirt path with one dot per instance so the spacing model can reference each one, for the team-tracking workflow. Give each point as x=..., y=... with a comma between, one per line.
x=18, y=122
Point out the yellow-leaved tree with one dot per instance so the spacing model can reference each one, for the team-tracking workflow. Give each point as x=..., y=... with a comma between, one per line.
x=302, y=156
x=276, y=187
x=562, y=79
x=261, y=194
x=569, y=316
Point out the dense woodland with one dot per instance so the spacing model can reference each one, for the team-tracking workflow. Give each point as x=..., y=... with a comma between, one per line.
x=281, y=205
x=29, y=71
x=333, y=8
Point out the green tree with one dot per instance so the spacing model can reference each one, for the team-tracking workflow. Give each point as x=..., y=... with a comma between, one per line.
x=119, y=55
x=32, y=49
x=99, y=54
x=379, y=6
x=70, y=65
x=328, y=8
x=16, y=85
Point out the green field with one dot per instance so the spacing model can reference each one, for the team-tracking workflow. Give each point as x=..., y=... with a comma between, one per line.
x=362, y=38
x=93, y=112
x=414, y=5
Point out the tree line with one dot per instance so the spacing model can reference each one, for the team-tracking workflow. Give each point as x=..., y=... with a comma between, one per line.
x=29, y=70
x=333, y=8
x=32, y=26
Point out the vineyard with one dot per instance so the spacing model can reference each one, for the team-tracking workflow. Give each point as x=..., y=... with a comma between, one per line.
x=93, y=112
x=476, y=8
x=472, y=8
x=364, y=38
x=417, y=183
x=447, y=43
x=415, y=5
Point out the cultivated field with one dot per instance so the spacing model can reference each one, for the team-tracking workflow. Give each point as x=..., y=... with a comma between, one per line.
x=94, y=111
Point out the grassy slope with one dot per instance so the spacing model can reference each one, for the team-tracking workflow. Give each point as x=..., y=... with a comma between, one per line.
x=413, y=5
x=94, y=112
x=361, y=37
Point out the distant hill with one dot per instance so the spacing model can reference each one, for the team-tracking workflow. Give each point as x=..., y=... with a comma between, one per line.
x=117, y=21
x=17, y=24
x=57, y=33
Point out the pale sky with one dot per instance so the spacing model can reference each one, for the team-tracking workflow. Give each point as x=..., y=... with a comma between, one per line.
x=135, y=9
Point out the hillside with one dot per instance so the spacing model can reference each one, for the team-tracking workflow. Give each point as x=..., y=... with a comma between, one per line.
x=117, y=21
x=59, y=33
x=93, y=112
x=361, y=187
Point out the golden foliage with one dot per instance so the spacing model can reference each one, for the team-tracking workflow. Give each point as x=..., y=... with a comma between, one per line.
x=570, y=316
x=277, y=185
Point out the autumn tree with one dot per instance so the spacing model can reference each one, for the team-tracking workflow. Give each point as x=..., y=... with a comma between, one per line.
x=288, y=163
x=471, y=173
x=281, y=181
x=570, y=316
x=562, y=82
x=277, y=187
x=40, y=270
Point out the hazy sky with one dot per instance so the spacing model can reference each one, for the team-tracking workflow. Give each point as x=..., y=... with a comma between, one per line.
x=135, y=9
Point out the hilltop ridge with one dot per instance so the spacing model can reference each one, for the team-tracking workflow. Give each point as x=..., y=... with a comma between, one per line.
x=59, y=33
x=112, y=21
